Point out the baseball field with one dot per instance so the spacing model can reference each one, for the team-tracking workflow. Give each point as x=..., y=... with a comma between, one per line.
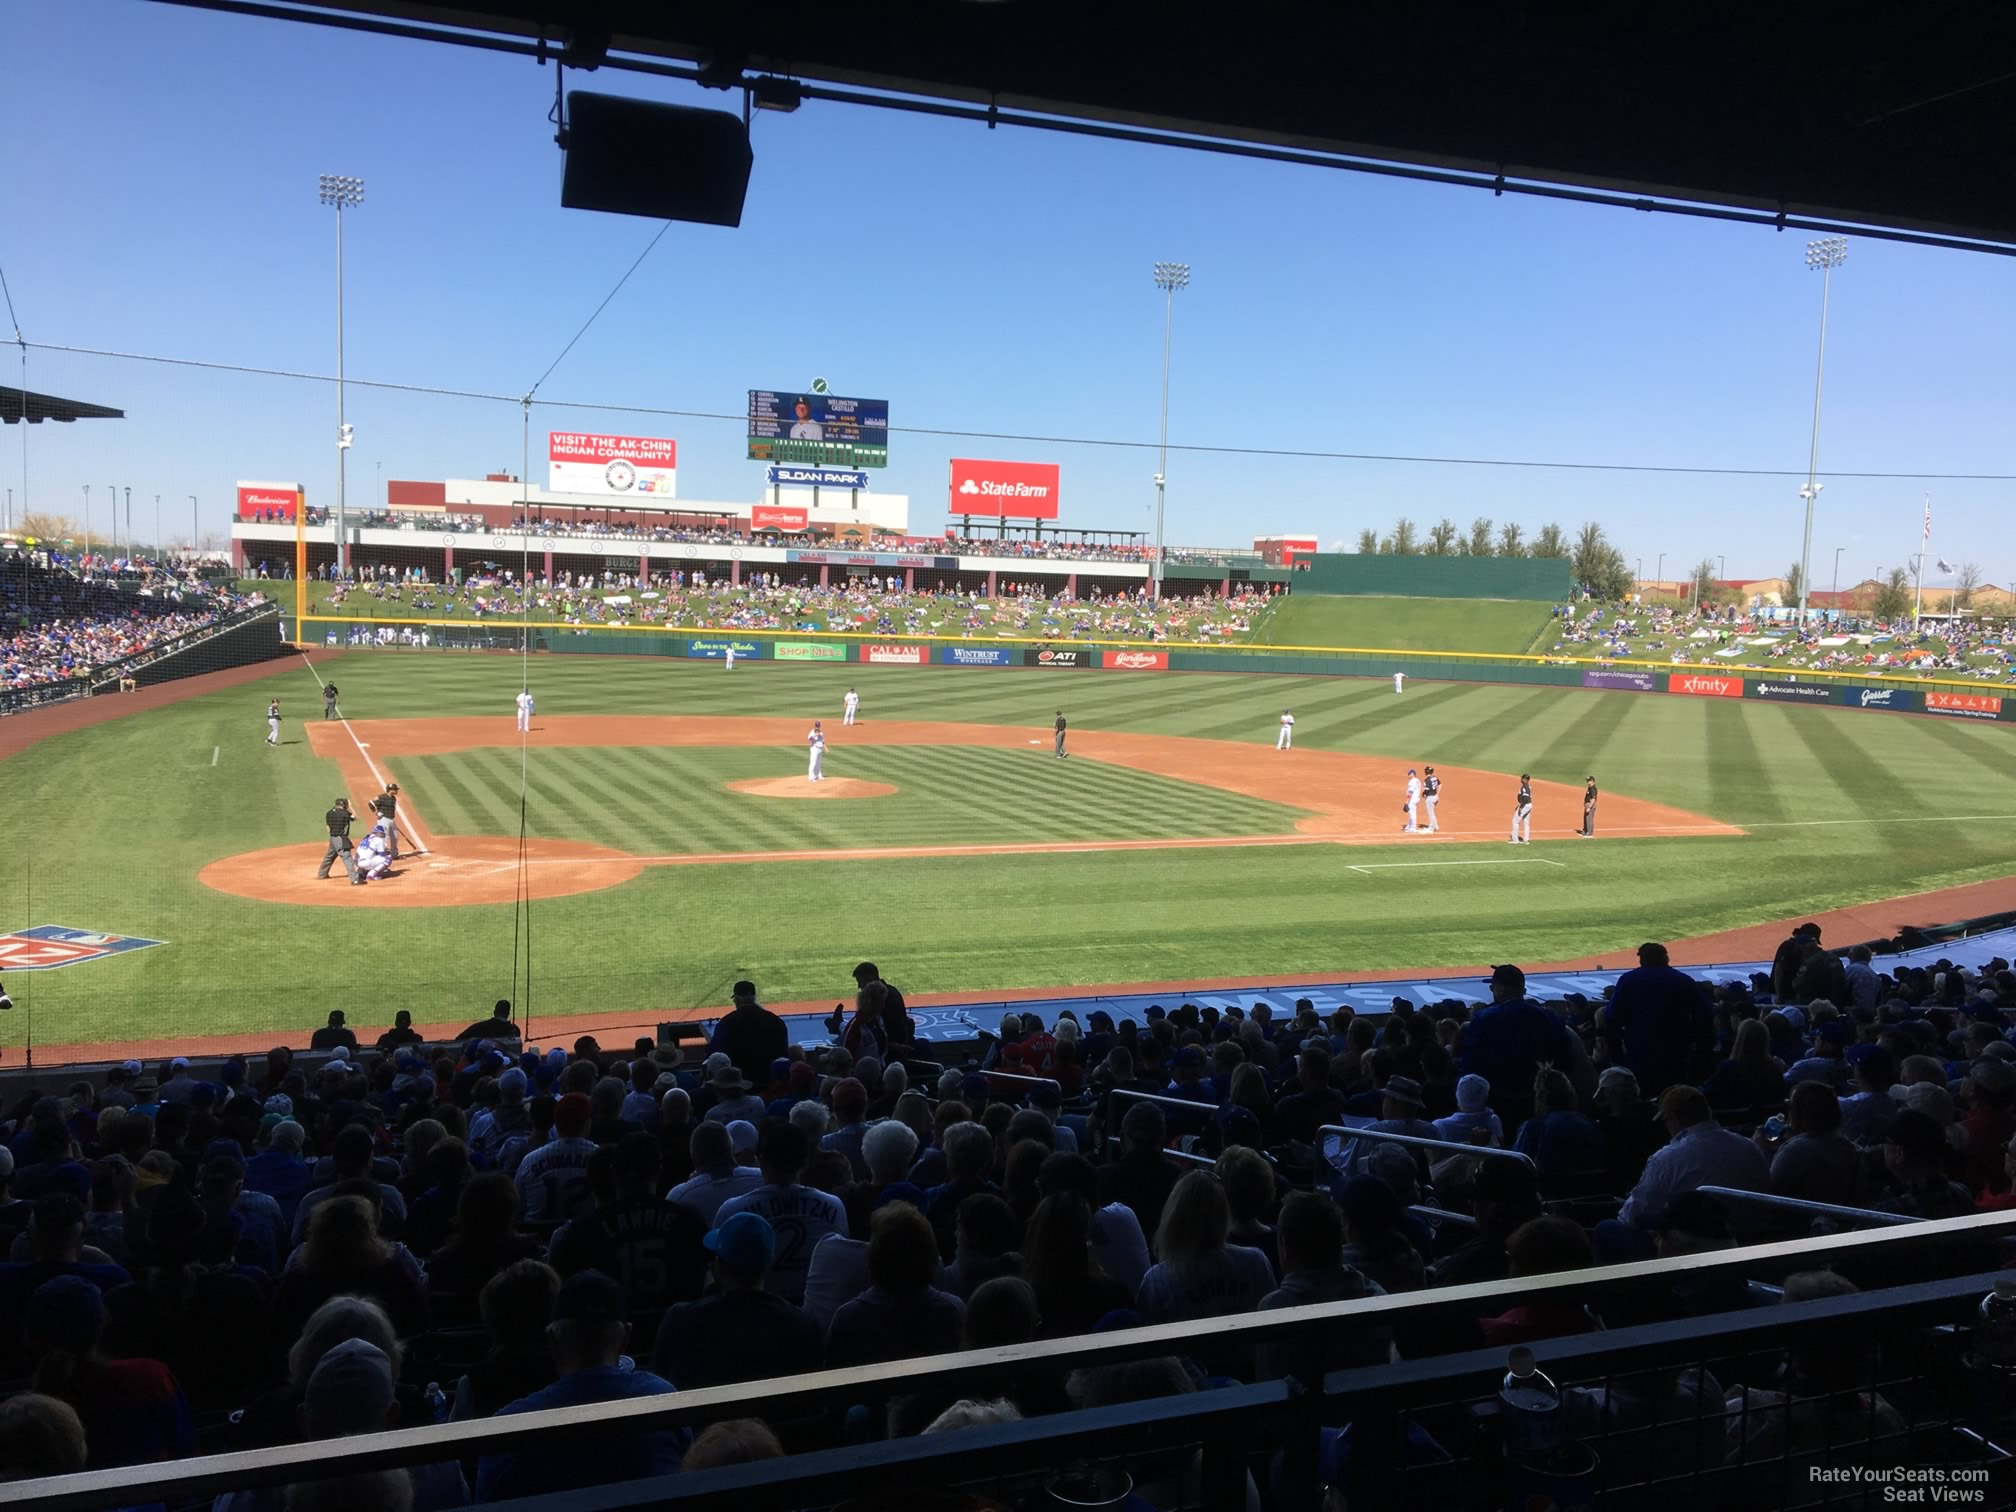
x=658, y=830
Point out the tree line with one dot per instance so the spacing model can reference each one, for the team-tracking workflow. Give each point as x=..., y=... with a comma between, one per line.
x=1593, y=560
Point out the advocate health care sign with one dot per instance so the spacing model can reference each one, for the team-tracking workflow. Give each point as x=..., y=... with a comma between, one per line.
x=621, y=466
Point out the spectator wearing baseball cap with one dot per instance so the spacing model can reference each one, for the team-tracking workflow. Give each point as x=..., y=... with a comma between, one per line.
x=742, y=1331
x=1657, y=1021
x=353, y=1155
x=1915, y=1153
x=587, y=1335
x=132, y=1410
x=553, y=1178
x=1831, y=1039
x=1507, y=1042
x=333, y=1034
x=1867, y=1110
x=55, y=1248
x=1699, y=1152
x=750, y=1035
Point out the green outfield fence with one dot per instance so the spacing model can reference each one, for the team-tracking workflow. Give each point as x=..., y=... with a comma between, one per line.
x=1874, y=689
x=1538, y=579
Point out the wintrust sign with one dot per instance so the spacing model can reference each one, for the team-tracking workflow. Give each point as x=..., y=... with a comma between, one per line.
x=1024, y=490
x=1700, y=686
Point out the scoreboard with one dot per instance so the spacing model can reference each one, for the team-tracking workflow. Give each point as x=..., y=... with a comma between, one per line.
x=790, y=426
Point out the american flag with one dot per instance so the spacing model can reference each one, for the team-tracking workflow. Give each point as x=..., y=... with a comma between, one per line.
x=1927, y=535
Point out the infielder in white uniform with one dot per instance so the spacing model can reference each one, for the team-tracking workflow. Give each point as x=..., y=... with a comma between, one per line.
x=1286, y=739
x=371, y=857
x=1412, y=807
x=1431, y=791
x=815, y=745
x=1522, y=812
x=525, y=709
x=852, y=706
x=273, y=722
x=1399, y=678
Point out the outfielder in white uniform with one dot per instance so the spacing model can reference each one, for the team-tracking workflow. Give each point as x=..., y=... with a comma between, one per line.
x=1286, y=739
x=273, y=722
x=728, y=656
x=371, y=857
x=1431, y=791
x=1413, y=804
x=525, y=709
x=815, y=745
x=1522, y=812
x=1399, y=678
x=852, y=706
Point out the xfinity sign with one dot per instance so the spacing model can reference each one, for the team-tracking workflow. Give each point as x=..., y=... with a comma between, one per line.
x=1022, y=490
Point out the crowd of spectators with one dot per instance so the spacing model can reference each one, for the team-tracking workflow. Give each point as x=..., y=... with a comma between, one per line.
x=57, y=625
x=875, y=603
x=258, y=1253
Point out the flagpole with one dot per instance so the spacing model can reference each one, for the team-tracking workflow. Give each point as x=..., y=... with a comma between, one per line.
x=1918, y=593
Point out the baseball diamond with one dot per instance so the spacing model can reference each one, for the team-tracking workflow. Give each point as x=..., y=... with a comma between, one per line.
x=1179, y=842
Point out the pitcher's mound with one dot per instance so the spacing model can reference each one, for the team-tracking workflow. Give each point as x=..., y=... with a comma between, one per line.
x=799, y=787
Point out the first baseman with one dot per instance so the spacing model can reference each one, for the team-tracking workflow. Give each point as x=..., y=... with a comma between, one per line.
x=524, y=709
x=815, y=745
x=1589, y=807
x=1522, y=812
x=1060, y=734
x=1431, y=790
x=273, y=722
x=1286, y=739
x=1412, y=807
x=850, y=706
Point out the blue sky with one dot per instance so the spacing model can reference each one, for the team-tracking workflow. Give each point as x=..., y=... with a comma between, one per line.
x=165, y=204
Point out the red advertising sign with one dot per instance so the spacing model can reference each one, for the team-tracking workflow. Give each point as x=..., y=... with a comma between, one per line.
x=275, y=501
x=907, y=656
x=778, y=517
x=1137, y=661
x=1025, y=490
x=1703, y=685
x=1966, y=705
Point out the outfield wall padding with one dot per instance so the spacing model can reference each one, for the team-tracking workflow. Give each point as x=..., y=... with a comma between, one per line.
x=1541, y=579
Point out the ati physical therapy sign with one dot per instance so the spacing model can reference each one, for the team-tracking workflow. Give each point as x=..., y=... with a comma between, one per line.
x=1022, y=490
x=621, y=466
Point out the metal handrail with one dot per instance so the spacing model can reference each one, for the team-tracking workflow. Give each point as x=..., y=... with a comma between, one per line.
x=788, y=1396
x=1801, y=1205
x=1443, y=1215
x=1198, y=1108
x=1481, y=1152
x=1034, y=1081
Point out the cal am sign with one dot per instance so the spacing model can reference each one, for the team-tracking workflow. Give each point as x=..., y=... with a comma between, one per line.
x=623, y=466
x=1024, y=490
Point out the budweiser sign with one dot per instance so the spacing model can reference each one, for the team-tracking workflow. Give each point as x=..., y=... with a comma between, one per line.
x=905, y=656
x=268, y=498
x=777, y=517
x=1026, y=490
x=1137, y=661
x=1701, y=685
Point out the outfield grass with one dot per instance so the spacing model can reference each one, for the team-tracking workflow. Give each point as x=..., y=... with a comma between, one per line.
x=1404, y=624
x=111, y=824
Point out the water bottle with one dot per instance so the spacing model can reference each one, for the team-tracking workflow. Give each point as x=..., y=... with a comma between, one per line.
x=1995, y=1328
x=1532, y=1408
x=1774, y=1126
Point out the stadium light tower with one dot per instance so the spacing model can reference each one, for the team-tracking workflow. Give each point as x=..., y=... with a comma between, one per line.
x=344, y=193
x=1169, y=277
x=1826, y=254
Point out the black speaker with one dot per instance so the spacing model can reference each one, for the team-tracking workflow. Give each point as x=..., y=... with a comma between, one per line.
x=667, y=162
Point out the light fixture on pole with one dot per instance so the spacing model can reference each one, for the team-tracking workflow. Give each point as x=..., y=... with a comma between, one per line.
x=1826, y=254
x=1169, y=277
x=1837, y=575
x=345, y=193
x=1659, y=572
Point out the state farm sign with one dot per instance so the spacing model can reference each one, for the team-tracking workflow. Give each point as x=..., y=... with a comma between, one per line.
x=274, y=500
x=1701, y=686
x=1025, y=490
x=1137, y=661
x=1964, y=705
x=907, y=656
x=777, y=517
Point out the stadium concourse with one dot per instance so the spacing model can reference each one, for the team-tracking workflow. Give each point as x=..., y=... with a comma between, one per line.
x=276, y=1254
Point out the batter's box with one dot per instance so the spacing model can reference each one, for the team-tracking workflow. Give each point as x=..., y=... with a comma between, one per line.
x=49, y=946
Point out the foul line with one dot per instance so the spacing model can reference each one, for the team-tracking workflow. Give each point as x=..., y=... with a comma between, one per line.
x=409, y=817
x=1508, y=861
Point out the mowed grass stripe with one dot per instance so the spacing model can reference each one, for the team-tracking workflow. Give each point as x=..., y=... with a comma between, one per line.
x=648, y=818
x=1836, y=745
x=465, y=811
x=1970, y=740
x=692, y=820
x=1578, y=749
x=1476, y=744
x=1739, y=778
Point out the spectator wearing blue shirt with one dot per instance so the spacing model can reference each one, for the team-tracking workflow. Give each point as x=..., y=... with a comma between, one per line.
x=1558, y=1138
x=278, y=1169
x=1825, y=1064
x=1657, y=1022
x=1508, y=1042
x=587, y=1336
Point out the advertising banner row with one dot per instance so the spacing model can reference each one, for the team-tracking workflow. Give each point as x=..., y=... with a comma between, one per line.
x=920, y=654
x=1893, y=700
